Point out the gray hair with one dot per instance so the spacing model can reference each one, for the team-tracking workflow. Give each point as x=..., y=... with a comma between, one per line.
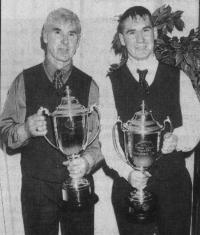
x=60, y=14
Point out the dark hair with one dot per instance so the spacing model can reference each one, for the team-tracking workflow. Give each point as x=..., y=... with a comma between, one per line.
x=132, y=12
x=116, y=44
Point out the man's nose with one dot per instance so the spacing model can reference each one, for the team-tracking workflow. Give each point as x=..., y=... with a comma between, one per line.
x=139, y=37
x=65, y=39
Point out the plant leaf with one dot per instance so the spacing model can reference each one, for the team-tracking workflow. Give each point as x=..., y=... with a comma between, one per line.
x=188, y=60
x=179, y=59
x=179, y=24
x=177, y=14
x=170, y=26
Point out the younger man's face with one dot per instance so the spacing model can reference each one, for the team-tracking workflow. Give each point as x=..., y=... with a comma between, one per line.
x=138, y=37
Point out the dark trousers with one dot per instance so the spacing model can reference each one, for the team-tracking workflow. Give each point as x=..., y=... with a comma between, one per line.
x=171, y=183
x=42, y=210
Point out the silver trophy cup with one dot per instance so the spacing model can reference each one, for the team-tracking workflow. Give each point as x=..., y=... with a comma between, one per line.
x=70, y=123
x=141, y=145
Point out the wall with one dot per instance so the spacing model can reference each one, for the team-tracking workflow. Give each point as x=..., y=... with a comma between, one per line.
x=20, y=48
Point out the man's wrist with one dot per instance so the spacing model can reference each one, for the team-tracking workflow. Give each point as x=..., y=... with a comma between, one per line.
x=89, y=162
x=130, y=177
x=23, y=134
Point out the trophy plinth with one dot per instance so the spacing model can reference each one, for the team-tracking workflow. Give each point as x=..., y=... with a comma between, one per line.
x=141, y=139
x=77, y=192
x=70, y=122
x=142, y=206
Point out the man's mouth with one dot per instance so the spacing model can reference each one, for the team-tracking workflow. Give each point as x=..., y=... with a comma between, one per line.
x=63, y=49
x=140, y=47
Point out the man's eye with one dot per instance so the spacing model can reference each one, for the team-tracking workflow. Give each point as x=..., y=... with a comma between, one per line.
x=147, y=30
x=131, y=33
x=72, y=34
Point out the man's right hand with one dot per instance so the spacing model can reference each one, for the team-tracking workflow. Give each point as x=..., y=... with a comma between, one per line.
x=36, y=125
x=138, y=179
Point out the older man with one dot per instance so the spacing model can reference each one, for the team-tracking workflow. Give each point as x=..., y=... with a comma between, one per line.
x=22, y=127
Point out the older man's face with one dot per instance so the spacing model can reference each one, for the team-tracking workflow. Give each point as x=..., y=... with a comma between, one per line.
x=62, y=40
x=138, y=37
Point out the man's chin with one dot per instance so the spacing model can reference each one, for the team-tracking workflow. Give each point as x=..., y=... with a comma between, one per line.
x=64, y=59
x=142, y=56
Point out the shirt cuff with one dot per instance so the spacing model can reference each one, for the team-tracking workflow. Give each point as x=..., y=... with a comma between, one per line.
x=188, y=138
x=22, y=137
x=123, y=169
x=91, y=162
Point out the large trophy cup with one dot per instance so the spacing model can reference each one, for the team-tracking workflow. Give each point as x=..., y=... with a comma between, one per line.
x=142, y=137
x=70, y=123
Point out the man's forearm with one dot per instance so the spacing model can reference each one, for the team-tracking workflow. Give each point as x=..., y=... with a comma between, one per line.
x=12, y=118
x=93, y=155
x=14, y=135
x=189, y=133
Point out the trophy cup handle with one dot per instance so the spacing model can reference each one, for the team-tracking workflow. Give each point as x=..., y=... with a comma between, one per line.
x=170, y=130
x=168, y=121
x=46, y=112
x=116, y=143
x=93, y=108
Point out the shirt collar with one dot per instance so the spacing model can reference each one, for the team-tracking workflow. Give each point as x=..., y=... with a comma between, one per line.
x=151, y=65
x=51, y=68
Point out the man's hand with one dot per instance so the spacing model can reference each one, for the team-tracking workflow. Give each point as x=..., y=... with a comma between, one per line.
x=77, y=167
x=138, y=179
x=36, y=125
x=169, y=143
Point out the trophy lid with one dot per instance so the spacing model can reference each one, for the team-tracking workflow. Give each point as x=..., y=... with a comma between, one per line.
x=143, y=122
x=70, y=106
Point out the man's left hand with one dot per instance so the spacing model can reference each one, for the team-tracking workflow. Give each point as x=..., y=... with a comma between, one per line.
x=77, y=167
x=169, y=143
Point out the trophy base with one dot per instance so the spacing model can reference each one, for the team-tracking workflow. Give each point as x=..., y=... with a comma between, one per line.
x=141, y=208
x=144, y=218
x=80, y=205
x=77, y=194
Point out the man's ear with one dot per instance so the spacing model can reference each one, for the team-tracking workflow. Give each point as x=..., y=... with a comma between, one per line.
x=44, y=36
x=121, y=38
x=155, y=32
x=78, y=41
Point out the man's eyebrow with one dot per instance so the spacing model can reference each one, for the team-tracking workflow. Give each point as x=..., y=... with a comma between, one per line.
x=73, y=31
x=133, y=30
x=56, y=29
x=130, y=31
x=148, y=27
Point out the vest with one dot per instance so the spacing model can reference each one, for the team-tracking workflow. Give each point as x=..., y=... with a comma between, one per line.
x=38, y=158
x=163, y=99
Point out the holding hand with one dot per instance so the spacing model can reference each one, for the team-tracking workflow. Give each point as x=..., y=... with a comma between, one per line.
x=138, y=179
x=36, y=125
x=169, y=143
x=77, y=167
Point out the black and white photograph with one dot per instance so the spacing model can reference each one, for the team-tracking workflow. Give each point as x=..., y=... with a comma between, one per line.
x=100, y=117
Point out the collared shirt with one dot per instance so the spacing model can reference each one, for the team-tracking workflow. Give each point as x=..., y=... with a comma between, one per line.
x=13, y=116
x=188, y=134
x=50, y=69
x=151, y=67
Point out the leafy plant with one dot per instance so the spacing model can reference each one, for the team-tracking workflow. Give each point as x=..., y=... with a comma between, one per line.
x=183, y=52
x=165, y=20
